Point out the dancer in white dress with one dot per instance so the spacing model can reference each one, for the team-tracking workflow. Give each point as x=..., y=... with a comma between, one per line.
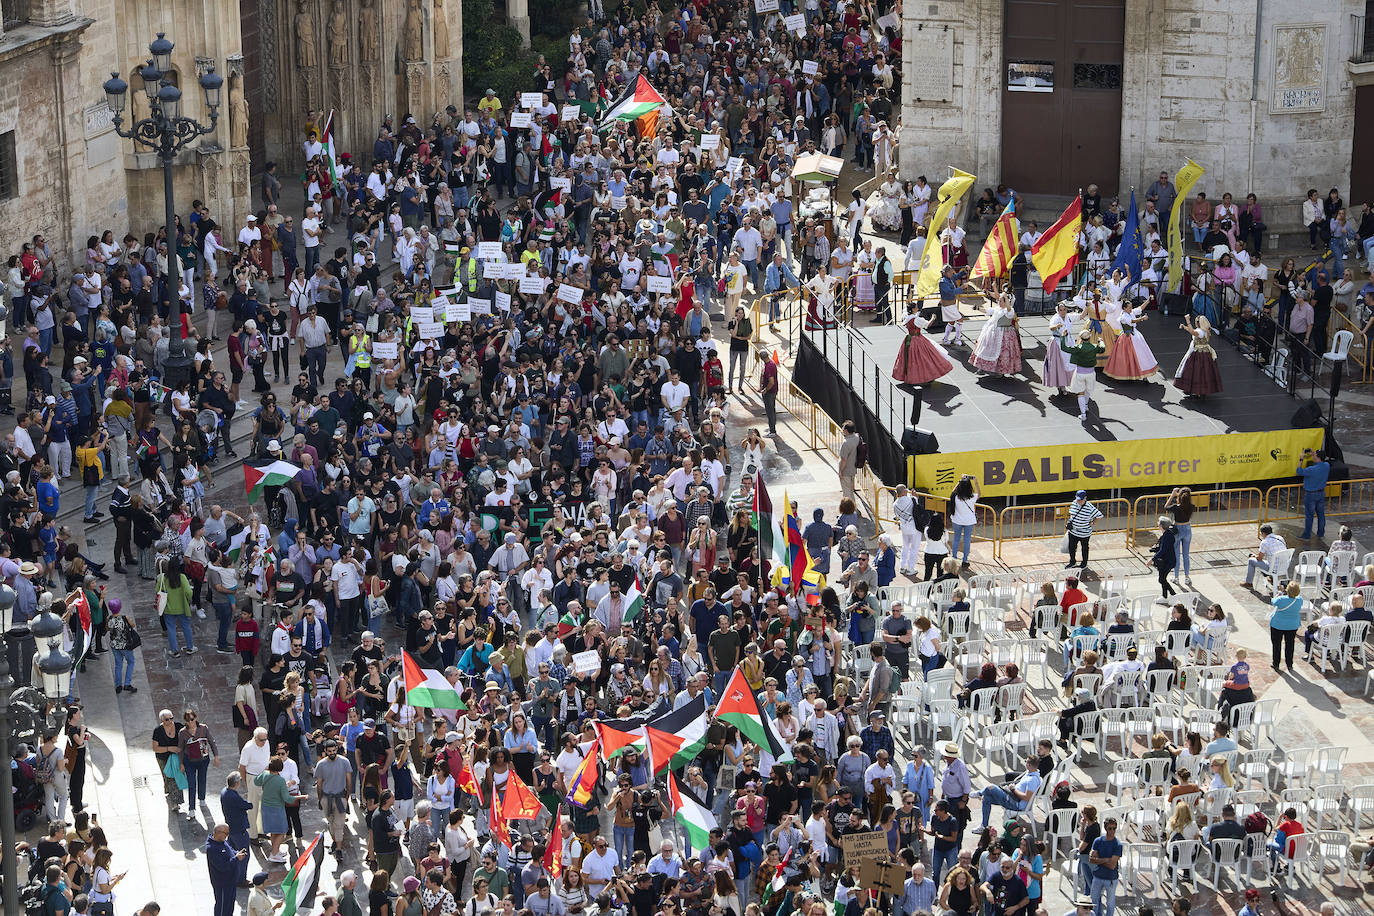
x=886, y=213
x=1058, y=371
x=920, y=200
x=1131, y=357
x=998, y=349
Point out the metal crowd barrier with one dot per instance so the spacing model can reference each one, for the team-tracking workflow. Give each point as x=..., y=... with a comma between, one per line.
x=1212, y=508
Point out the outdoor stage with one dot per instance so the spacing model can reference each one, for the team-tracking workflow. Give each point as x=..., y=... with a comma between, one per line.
x=1020, y=438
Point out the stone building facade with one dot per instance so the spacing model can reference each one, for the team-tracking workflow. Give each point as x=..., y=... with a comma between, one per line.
x=1049, y=96
x=64, y=173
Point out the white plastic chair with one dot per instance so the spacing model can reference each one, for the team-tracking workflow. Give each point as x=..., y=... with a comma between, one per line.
x=863, y=661
x=1177, y=642
x=1297, y=856
x=1354, y=641
x=957, y=627
x=1089, y=682
x=1087, y=728
x=1148, y=818
x=1047, y=618
x=1242, y=717
x=1361, y=803
x=982, y=706
x=1266, y=717
x=1062, y=828
x=1333, y=846
x=1329, y=646
x=1128, y=685
x=906, y=711
x=1125, y=776
x=969, y=657
x=1003, y=651
x=1169, y=719
x=1160, y=683
x=1294, y=768
x=1078, y=610
x=1340, y=347
x=1116, y=644
x=1036, y=653
x=1278, y=569
x=1340, y=566
x=1308, y=569
x=1142, y=610
x=1326, y=804
x=1255, y=766
x=1213, y=646
x=1328, y=763
x=1011, y=698
x=1183, y=856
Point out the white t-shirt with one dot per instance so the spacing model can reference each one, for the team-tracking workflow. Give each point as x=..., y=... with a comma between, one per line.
x=346, y=580
x=676, y=395
x=600, y=868
x=308, y=225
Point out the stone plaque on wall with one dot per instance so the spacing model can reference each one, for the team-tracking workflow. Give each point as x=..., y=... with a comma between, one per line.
x=1298, y=73
x=931, y=72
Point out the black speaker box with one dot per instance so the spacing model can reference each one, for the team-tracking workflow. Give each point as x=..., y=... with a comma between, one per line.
x=1307, y=416
x=919, y=442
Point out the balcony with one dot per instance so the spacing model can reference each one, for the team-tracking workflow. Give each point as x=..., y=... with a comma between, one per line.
x=1361, y=39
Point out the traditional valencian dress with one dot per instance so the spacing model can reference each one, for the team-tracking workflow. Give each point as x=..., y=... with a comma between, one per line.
x=820, y=309
x=919, y=362
x=1197, y=374
x=1095, y=313
x=1131, y=357
x=998, y=349
x=1058, y=370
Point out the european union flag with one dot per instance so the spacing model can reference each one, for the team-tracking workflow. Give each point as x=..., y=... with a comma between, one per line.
x=1130, y=257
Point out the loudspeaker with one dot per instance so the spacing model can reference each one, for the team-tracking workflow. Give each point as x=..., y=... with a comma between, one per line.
x=920, y=442
x=1173, y=304
x=1308, y=416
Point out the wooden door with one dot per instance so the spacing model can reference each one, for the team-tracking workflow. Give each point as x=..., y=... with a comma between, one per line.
x=1061, y=95
x=1362, y=149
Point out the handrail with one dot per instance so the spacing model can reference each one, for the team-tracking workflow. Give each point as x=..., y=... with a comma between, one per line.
x=1212, y=508
x=986, y=528
x=1029, y=523
x=1343, y=497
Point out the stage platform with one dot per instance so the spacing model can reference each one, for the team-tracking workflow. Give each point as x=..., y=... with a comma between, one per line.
x=969, y=410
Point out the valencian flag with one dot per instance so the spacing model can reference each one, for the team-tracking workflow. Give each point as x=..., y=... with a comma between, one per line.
x=1056, y=252
x=496, y=820
x=1000, y=248
x=739, y=706
x=772, y=541
x=553, y=854
x=271, y=474
x=428, y=687
x=466, y=780
x=635, y=102
x=519, y=803
x=1130, y=256
x=298, y=887
x=1183, y=184
x=584, y=778
x=691, y=813
x=677, y=736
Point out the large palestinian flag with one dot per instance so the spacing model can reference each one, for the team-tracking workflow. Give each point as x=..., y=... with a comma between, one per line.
x=272, y=474
x=676, y=737
x=616, y=735
x=739, y=706
x=691, y=813
x=635, y=102
x=428, y=687
x=772, y=539
x=298, y=887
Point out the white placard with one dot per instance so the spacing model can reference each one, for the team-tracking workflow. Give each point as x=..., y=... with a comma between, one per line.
x=766, y=6
x=734, y=164
x=386, y=350
x=502, y=301
x=457, y=311
x=531, y=99
x=480, y=306
x=532, y=285
x=520, y=119
x=588, y=662
x=490, y=251
x=810, y=67
x=617, y=203
x=513, y=271
x=429, y=330
x=420, y=314
x=795, y=23
x=570, y=112
x=655, y=284
x=710, y=141
x=889, y=21
x=569, y=293
x=560, y=183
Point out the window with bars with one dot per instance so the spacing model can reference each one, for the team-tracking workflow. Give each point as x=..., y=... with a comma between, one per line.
x=9, y=167
x=1096, y=76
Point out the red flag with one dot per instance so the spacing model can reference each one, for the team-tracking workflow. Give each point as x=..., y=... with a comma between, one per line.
x=553, y=855
x=467, y=780
x=77, y=601
x=500, y=827
x=519, y=804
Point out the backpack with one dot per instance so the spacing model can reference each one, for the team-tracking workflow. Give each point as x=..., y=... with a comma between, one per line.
x=861, y=455
x=1256, y=822
x=33, y=897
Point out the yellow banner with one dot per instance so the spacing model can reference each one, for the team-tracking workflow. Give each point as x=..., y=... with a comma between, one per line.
x=1183, y=183
x=933, y=256
x=1096, y=466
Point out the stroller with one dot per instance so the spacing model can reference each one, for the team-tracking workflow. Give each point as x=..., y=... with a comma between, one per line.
x=209, y=423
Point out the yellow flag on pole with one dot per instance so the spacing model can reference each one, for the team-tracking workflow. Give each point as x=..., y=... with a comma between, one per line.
x=1183, y=181
x=933, y=257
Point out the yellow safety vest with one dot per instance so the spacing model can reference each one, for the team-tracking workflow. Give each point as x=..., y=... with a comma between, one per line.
x=364, y=360
x=468, y=267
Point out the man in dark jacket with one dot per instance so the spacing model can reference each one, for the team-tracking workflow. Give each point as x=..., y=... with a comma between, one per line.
x=224, y=863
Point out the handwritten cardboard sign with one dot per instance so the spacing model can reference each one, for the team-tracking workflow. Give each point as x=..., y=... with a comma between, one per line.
x=569, y=293
x=387, y=350
x=869, y=844
x=520, y=119
x=766, y=6
x=502, y=301
x=796, y=23
x=531, y=99
x=655, y=284
x=588, y=662
x=810, y=67
x=532, y=285
x=560, y=183
x=570, y=112
x=490, y=251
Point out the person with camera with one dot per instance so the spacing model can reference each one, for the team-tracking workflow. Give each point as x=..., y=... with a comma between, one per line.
x=1314, y=470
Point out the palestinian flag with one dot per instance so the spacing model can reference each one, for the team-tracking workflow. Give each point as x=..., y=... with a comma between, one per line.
x=584, y=778
x=779, y=880
x=635, y=102
x=76, y=601
x=739, y=706
x=548, y=201
x=634, y=602
x=772, y=541
x=691, y=813
x=298, y=887
x=615, y=735
x=553, y=854
x=272, y=474
x=519, y=803
x=428, y=687
x=466, y=780
x=676, y=737
x=567, y=623
x=331, y=159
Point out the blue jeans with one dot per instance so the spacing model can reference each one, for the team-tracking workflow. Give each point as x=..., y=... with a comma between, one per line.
x=1183, y=548
x=92, y=495
x=942, y=860
x=123, y=667
x=224, y=613
x=312, y=260
x=752, y=268
x=1253, y=566
x=624, y=842
x=1104, y=896
x=1083, y=882
x=1338, y=243
x=996, y=795
x=178, y=622
x=196, y=771
x=960, y=533
x=1314, y=503
x=718, y=681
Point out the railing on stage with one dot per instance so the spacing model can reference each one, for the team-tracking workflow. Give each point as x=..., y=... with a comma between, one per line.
x=1030, y=523
x=1213, y=507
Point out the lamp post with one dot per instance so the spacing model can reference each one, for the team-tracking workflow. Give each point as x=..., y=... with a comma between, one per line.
x=56, y=668
x=166, y=133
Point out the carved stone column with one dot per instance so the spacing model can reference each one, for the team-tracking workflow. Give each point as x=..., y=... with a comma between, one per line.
x=518, y=16
x=417, y=88
x=238, y=190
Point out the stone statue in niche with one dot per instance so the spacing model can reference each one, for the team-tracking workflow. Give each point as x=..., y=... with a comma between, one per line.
x=306, y=57
x=412, y=33
x=369, y=32
x=440, y=30
x=337, y=33
x=238, y=116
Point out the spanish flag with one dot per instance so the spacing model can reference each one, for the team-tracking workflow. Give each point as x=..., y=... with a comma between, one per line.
x=1055, y=255
x=1001, y=247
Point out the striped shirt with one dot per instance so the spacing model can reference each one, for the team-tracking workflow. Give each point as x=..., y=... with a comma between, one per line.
x=1081, y=518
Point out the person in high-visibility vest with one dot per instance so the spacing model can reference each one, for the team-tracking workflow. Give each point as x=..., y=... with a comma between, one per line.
x=360, y=355
x=466, y=270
